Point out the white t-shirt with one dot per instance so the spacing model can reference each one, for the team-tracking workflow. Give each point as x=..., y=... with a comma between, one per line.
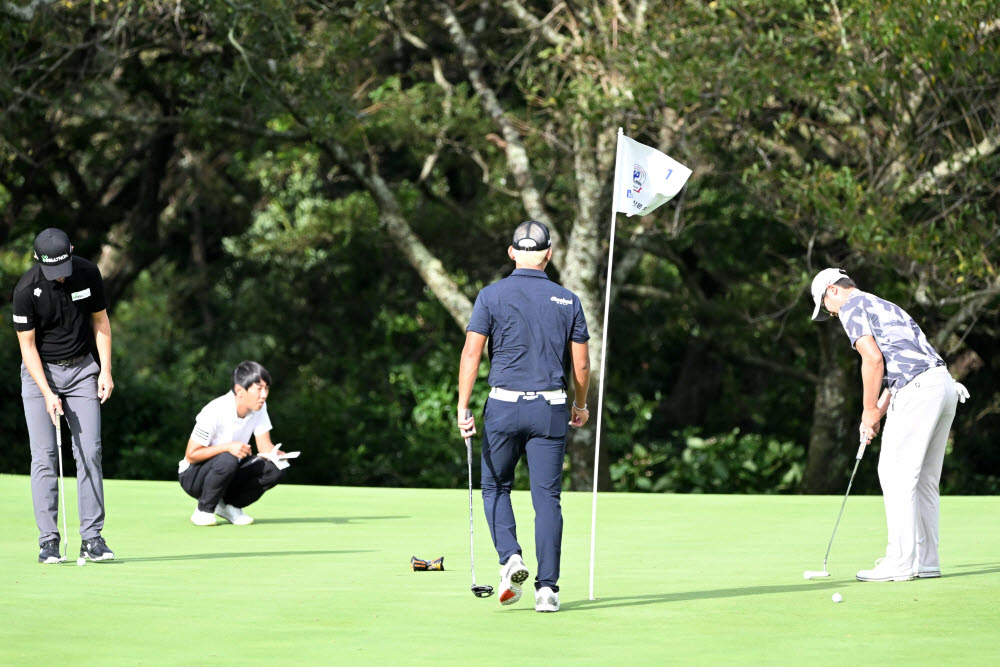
x=218, y=423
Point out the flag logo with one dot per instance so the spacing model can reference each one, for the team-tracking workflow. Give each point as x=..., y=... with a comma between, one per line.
x=638, y=177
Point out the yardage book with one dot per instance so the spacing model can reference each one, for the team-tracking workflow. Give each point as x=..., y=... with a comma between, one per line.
x=280, y=460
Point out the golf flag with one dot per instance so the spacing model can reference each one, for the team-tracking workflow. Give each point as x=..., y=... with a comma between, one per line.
x=645, y=177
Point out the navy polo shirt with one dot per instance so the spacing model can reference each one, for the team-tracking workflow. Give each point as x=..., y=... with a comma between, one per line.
x=59, y=312
x=530, y=322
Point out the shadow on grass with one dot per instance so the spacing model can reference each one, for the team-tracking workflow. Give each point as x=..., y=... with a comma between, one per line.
x=988, y=570
x=815, y=584
x=234, y=554
x=326, y=519
x=976, y=565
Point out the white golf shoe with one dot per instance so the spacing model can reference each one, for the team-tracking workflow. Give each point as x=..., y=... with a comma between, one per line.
x=928, y=572
x=200, y=518
x=233, y=515
x=512, y=575
x=546, y=600
x=885, y=571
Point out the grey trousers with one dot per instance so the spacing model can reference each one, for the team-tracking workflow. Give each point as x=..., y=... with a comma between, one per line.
x=77, y=387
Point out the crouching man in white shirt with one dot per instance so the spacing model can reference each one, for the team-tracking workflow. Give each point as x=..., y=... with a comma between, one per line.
x=218, y=469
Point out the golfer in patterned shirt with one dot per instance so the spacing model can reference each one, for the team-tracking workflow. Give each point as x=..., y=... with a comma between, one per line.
x=920, y=397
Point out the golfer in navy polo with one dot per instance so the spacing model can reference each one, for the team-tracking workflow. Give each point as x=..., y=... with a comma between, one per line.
x=537, y=340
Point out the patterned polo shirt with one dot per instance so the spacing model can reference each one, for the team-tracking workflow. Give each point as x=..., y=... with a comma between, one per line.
x=904, y=347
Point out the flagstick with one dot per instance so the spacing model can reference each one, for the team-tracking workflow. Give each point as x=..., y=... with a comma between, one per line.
x=604, y=351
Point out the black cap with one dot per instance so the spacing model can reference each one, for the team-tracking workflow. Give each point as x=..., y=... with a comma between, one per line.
x=54, y=253
x=531, y=235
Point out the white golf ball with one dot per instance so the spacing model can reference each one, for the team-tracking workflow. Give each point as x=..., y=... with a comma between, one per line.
x=81, y=561
x=837, y=597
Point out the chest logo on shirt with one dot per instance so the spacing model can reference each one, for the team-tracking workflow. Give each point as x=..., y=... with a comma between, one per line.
x=82, y=294
x=562, y=302
x=38, y=291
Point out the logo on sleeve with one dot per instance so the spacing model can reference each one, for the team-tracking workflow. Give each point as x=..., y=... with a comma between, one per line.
x=21, y=319
x=562, y=302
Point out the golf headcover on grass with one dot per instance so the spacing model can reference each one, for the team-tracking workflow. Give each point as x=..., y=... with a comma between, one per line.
x=421, y=565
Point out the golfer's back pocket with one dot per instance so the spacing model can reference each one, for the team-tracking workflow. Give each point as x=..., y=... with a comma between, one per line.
x=559, y=419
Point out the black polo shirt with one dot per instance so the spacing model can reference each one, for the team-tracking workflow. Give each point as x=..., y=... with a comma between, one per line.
x=60, y=312
x=530, y=322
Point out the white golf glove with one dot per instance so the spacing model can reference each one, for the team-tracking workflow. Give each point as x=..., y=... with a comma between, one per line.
x=962, y=392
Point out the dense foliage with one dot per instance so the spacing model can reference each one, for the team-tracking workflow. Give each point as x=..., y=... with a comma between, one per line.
x=323, y=186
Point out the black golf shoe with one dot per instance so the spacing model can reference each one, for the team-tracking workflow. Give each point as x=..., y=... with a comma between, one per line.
x=49, y=552
x=96, y=549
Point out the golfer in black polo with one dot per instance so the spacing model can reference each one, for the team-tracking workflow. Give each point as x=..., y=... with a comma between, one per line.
x=58, y=305
x=537, y=338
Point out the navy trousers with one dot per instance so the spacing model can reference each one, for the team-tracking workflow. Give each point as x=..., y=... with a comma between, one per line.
x=536, y=429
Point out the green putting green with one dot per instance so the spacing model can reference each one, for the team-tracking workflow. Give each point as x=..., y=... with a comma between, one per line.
x=324, y=576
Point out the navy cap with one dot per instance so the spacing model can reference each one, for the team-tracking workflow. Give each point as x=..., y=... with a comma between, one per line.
x=531, y=235
x=54, y=252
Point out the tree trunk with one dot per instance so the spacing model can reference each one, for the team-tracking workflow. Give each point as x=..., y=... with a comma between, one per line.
x=835, y=417
x=582, y=271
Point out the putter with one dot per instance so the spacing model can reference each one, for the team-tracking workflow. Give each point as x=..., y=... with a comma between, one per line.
x=482, y=590
x=62, y=488
x=813, y=574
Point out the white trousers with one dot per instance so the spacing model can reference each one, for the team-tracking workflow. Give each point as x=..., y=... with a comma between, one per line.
x=909, y=468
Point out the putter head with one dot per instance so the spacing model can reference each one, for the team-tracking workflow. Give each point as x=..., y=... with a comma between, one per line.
x=482, y=591
x=813, y=574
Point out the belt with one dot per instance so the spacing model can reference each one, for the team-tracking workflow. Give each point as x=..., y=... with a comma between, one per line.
x=925, y=375
x=513, y=396
x=68, y=362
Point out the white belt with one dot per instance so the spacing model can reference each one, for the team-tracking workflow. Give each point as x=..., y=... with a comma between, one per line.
x=926, y=375
x=555, y=396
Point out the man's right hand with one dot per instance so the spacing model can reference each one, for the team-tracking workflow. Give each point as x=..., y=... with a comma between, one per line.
x=466, y=423
x=53, y=404
x=871, y=422
x=240, y=450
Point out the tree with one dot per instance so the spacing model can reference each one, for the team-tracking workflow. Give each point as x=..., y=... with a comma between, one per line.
x=204, y=145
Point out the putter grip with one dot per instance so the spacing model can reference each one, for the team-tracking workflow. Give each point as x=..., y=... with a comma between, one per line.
x=468, y=438
x=861, y=449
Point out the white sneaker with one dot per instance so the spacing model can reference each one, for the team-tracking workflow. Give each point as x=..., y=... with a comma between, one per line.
x=928, y=572
x=233, y=515
x=200, y=518
x=885, y=571
x=546, y=599
x=512, y=575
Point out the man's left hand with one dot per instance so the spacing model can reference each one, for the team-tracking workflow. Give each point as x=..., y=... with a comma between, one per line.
x=105, y=385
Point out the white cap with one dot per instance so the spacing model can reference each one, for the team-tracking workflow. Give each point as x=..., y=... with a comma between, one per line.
x=824, y=279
